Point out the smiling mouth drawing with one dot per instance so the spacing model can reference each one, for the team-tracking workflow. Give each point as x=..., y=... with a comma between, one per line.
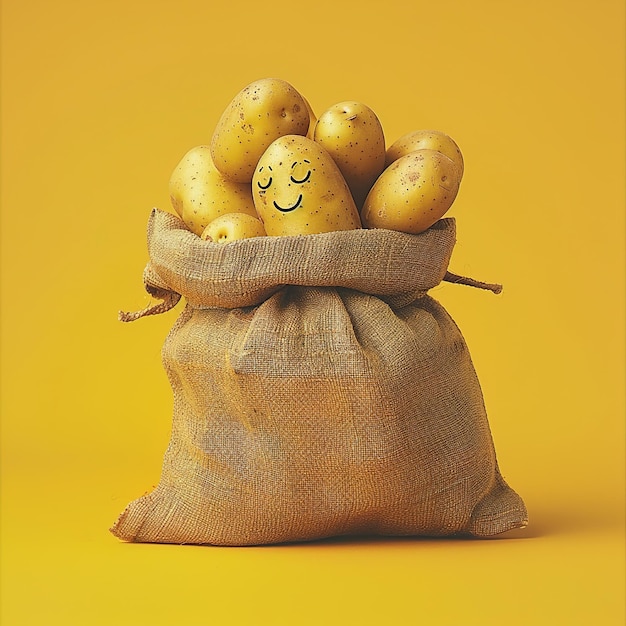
x=289, y=208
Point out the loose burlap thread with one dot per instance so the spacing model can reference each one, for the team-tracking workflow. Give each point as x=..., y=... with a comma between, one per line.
x=319, y=391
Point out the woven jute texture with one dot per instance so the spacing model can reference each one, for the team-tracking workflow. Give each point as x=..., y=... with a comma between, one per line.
x=318, y=391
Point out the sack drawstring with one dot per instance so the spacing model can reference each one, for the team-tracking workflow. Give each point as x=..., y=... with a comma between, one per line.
x=463, y=280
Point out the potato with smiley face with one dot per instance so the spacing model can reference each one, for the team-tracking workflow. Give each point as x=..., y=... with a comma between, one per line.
x=299, y=190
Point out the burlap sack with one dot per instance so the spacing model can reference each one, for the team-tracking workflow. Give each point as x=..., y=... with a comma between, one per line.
x=318, y=391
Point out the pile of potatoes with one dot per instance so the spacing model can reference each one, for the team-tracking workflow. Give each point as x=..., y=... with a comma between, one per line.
x=273, y=168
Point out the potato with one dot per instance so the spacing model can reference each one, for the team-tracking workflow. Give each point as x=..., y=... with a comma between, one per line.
x=425, y=140
x=353, y=135
x=199, y=192
x=412, y=193
x=261, y=112
x=233, y=226
x=299, y=190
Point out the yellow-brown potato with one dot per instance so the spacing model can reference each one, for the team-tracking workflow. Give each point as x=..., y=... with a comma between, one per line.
x=299, y=190
x=353, y=135
x=232, y=227
x=199, y=192
x=425, y=140
x=261, y=112
x=412, y=193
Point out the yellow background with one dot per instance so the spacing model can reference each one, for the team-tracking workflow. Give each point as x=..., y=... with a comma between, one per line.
x=99, y=102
